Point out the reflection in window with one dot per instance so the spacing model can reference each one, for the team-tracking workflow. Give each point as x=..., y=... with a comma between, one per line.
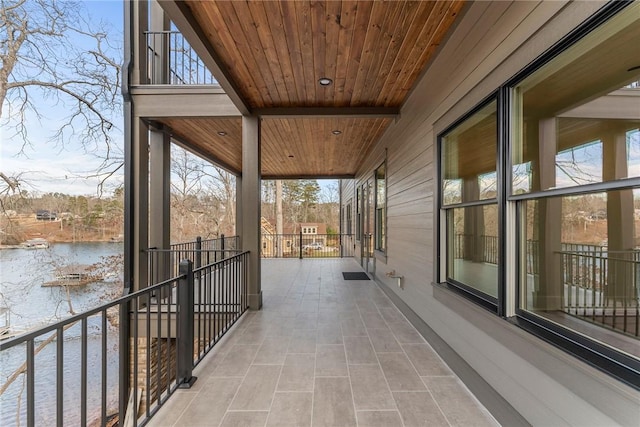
x=576, y=119
x=358, y=213
x=575, y=123
x=488, y=184
x=579, y=165
x=472, y=239
x=468, y=153
x=580, y=259
x=451, y=191
x=348, y=219
x=469, y=159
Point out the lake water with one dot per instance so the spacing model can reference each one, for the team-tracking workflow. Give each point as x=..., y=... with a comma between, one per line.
x=22, y=272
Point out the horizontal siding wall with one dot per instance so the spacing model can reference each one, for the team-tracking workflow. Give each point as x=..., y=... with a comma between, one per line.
x=492, y=42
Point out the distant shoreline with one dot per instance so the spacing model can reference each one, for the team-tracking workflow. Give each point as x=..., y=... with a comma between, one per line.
x=53, y=241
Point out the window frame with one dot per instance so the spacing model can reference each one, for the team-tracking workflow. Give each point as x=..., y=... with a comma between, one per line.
x=348, y=217
x=359, y=209
x=486, y=301
x=380, y=220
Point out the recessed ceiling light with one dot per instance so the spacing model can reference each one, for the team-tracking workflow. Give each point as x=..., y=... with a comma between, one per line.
x=325, y=81
x=336, y=132
x=222, y=133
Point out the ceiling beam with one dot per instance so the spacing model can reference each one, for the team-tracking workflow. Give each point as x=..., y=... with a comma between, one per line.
x=338, y=112
x=298, y=176
x=182, y=101
x=181, y=16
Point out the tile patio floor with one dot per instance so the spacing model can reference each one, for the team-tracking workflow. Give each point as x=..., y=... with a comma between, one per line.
x=323, y=352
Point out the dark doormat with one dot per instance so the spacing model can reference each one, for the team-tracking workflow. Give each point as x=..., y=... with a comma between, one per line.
x=355, y=275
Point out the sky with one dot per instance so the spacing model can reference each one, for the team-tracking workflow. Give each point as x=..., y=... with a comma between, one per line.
x=45, y=166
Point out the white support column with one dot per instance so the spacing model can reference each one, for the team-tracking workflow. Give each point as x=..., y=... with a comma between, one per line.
x=548, y=294
x=251, y=205
x=160, y=201
x=140, y=148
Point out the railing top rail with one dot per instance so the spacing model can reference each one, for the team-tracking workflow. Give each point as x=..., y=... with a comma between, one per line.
x=77, y=317
x=213, y=239
x=604, y=250
x=222, y=261
x=162, y=32
x=193, y=250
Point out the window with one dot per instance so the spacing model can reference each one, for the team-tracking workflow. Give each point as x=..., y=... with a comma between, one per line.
x=359, y=223
x=469, y=201
x=571, y=190
x=348, y=219
x=381, y=208
x=574, y=181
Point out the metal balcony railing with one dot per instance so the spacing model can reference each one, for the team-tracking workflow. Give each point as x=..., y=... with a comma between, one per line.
x=164, y=263
x=171, y=60
x=307, y=245
x=118, y=363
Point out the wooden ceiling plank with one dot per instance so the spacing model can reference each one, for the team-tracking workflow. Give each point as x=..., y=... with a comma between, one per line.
x=333, y=19
x=270, y=158
x=389, y=26
x=183, y=17
x=265, y=33
x=248, y=46
x=444, y=23
x=318, y=37
x=290, y=27
x=395, y=55
x=343, y=50
x=429, y=22
x=430, y=37
x=324, y=157
x=202, y=134
x=421, y=15
x=376, y=131
x=273, y=15
x=221, y=38
x=363, y=16
x=300, y=139
x=370, y=47
x=305, y=37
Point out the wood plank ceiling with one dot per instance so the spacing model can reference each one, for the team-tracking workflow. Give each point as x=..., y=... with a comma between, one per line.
x=275, y=52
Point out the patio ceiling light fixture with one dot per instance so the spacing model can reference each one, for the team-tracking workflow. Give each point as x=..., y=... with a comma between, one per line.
x=336, y=132
x=325, y=81
x=222, y=133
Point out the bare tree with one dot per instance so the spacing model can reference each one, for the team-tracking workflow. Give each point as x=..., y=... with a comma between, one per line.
x=50, y=51
x=202, y=197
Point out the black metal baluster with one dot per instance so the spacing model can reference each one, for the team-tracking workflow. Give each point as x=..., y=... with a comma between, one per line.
x=60, y=376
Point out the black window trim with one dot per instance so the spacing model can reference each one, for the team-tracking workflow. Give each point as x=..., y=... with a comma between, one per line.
x=484, y=300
